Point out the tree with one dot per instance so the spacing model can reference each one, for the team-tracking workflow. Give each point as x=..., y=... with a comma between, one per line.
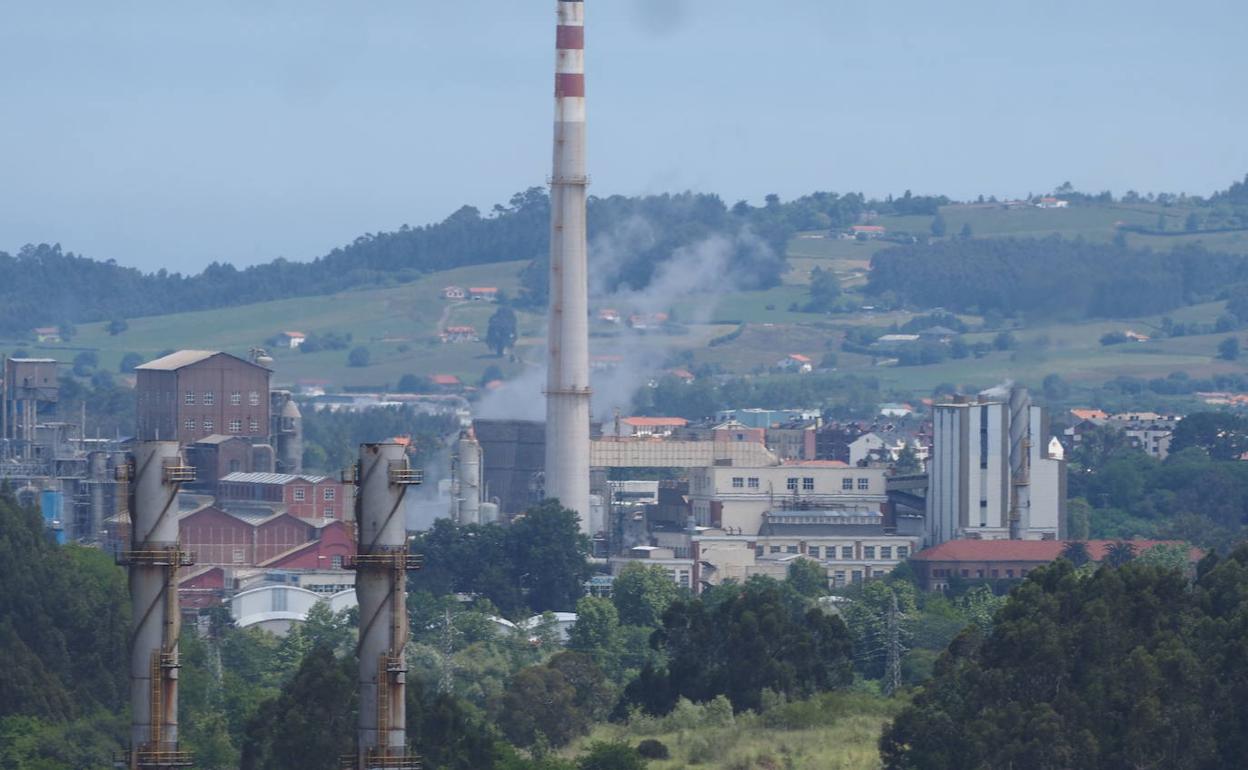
x=539, y=701
x=1078, y=519
x=825, y=289
x=310, y=724
x=642, y=593
x=907, y=462
x=1228, y=349
x=117, y=326
x=1076, y=553
x=85, y=362
x=1153, y=659
x=413, y=383
x=966, y=233
x=808, y=578
x=1003, y=341
x=938, y=226
x=550, y=555
x=128, y=362
x=1223, y=435
x=596, y=631
x=1119, y=553
x=358, y=357
x=500, y=335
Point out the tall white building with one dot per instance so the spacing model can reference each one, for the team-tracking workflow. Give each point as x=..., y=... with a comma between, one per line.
x=994, y=472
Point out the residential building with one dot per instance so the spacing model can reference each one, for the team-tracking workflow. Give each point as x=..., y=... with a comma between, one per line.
x=459, y=334
x=766, y=418
x=643, y=426
x=483, y=293
x=796, y=362
x=454, y=293
x=48, y=334
x=994, y=471
x=292, y=340
x=952, y=560
x=793, y=441
x=313, y=498
x=193, y=394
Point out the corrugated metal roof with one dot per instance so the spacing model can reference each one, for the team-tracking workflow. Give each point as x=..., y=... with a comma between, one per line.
x=177, y=360
x=271, y=478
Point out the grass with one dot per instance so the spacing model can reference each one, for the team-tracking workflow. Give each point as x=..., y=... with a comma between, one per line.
x=833, y=731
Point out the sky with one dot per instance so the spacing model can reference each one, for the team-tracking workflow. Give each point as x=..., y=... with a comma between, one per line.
x=169, y=133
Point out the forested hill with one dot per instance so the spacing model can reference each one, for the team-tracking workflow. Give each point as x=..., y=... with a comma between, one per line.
x=45, y=285
x=1051, y=276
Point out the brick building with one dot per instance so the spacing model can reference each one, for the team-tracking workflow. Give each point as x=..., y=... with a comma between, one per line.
x=1005, y=559
x=312, y=498
x=192, y=394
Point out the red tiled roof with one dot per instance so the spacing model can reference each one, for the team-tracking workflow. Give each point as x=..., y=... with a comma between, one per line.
x=444, y=379
x=867, y=228
x=483, y=290
x=1028, y=550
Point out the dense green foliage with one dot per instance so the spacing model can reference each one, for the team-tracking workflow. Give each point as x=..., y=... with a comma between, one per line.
x=536, y=564
x=332, y=438
x=1125, y=668
x=1198, y=494
x=1052, y=276
x=740, y=641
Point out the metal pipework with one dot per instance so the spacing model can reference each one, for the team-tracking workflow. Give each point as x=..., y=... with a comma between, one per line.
x=153, y=559
x=381, y=563
x=567, y=382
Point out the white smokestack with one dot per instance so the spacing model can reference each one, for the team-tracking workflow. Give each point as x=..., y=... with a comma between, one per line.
x=567, y=377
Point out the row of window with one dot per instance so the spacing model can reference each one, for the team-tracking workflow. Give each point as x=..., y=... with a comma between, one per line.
x=808, y=483
x=300, y=494
x=847, y=551
x=208, y=398
x=739, y=482
x=979, y=573
x=234, y=426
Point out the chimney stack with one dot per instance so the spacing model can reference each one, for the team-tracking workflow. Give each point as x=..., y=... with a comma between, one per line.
x=567, y=384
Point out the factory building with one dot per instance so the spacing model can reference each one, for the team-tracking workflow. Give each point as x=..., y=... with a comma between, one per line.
x=735, y=498
x=192, y=394
x=311, y=498
x=995, y=471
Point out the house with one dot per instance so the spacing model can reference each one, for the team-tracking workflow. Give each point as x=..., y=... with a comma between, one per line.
x=48, y=334
x=935, y=567
x=609, y=315
x=941, y=334
x=896, y=410
x=1096, y=416
x=684, y=375
x=1049, y=202
x=1135, y=336
x=454, y=293
x=459, y=334
x=796, y=362
x=445, y=380
x=867, y=231
x=892, y=340
x=483, y=293
x=644, y=321
x=292, y=340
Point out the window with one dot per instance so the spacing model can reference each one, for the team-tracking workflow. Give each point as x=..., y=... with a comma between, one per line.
x=864, y=484
x=813, y=550
x=300, y=494
x=903, y=551
x=994, y=574
x=775, y=549
x=847, y=483
x=758, y=550
x=791, y=483
x=235, y=466
x=792, y=549
x=753, y=482
x=253, y=425
x=839, y=578
x=209, y=398
x=236, y=398
x=189, y=398
x=239, y=556
x=886, y=552
x=335, y=562
x=208, y=424
x=808, y=483
x=189, y=424
x=236, y=425
x=868, y=552
x=738, y=482
x=847, y=552
x=1009, y=573
x=965, y=573
x=328, y=514
x=253, y=398
x=857, y=576
x=328, y=494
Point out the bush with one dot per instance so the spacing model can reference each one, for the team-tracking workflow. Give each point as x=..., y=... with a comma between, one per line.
x=1113, y=338
x=653, y=749
x=358, y=357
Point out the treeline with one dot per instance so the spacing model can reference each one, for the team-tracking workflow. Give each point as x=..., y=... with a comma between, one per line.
x=1052, y=276
x=839, y=395
x=1126, y=667
x=332, y=438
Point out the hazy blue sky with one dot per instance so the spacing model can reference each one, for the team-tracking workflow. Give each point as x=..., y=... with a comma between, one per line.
x=169, y=133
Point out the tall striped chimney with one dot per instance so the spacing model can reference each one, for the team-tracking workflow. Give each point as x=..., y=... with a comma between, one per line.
x=567, y=381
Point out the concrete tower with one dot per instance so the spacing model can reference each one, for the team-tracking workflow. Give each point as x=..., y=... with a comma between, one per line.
x=381, y=563
x=467, y=479
x=153, y=559
x=567, y=383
